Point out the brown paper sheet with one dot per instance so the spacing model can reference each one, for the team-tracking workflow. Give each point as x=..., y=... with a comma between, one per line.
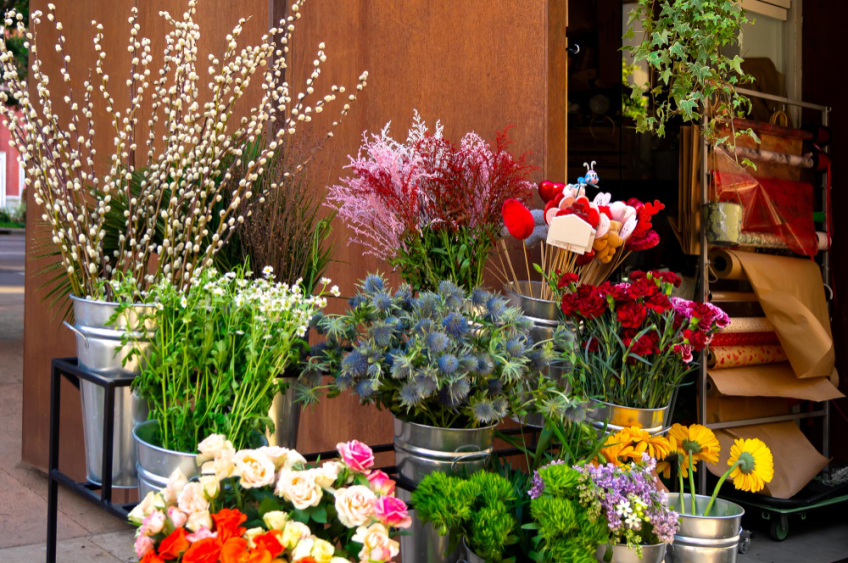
x=796, y=461
x=748, y=324
x=728, y=409
x=772, y=380
x=791, y=293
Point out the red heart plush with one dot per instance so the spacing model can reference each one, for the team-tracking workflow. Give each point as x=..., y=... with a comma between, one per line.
x=548, y=190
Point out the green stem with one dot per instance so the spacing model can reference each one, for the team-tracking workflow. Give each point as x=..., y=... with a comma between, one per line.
x=718, y=487
x=680, y=477
x=692, y=484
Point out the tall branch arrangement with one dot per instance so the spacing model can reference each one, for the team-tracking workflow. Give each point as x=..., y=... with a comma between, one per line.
x=192, y=147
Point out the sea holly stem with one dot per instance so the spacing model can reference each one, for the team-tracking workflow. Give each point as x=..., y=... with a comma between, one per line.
x=692, y=484
x=719, y=484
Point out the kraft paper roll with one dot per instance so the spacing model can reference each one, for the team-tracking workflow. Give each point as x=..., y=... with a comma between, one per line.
x=734, y=296
x=769, y=240
x=726, y=265
x=748, y=324
x=744, y=339
x=738, y=356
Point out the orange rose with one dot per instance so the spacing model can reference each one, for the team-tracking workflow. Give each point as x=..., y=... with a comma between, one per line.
x=202, y=551
x=151, y=557
x=259, y=555
x=228, y=523
x=234, y=551
x=172, y=546
x=270, y=542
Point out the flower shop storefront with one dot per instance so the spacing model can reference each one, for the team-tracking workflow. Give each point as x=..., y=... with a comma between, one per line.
x=325, y=281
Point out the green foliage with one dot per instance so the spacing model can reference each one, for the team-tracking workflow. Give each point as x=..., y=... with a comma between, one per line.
x=566, y=531
x=682, y=44
x=480, y=508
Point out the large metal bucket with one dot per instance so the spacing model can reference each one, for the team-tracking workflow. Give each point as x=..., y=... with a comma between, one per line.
x=545, y=316
x=623, y=554
x=616, y=417
x=100, y=350
x=155, y=464
x=421, y=450
x=285, y=413
x=470, y=556
x=706, y=539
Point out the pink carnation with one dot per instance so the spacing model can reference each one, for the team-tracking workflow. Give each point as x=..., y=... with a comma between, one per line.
x=392, y=512
x=356, y=455
x=380, y=483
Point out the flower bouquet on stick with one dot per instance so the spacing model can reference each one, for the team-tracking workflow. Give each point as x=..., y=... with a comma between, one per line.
x=430, y=207
x=269, y=504
x=589, y=236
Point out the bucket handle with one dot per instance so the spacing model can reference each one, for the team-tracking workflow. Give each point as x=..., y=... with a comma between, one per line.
x=462, y=458
x=77, y=331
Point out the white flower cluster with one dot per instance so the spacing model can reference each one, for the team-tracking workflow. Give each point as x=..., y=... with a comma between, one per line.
x=192, y=147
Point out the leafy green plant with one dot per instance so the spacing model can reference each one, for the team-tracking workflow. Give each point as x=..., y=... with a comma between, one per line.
x=683, y=44
x=481, y=508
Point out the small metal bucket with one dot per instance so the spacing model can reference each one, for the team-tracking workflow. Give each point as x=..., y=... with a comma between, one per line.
x=545, y=316
x=285, y=413
x=622, y=554
x=706, y=539
x=155, y=464
x=100, y=350
x=470, y=556
x=616, y=417
x=421, y=450
x=724, y=223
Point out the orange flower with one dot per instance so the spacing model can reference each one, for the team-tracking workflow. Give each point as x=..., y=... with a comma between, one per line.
x=270, y=542
x=228, y=523
x=151, y=557
x=664, y=467
x=172, y=546
x=640, y=441
x=612, y=449
x=234, y=551
x=202, y=551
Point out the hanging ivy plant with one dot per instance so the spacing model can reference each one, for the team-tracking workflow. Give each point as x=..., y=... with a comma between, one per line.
x=682, y=44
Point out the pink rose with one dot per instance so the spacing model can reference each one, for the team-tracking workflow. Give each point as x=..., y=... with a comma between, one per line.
x=143, y=544
x=153, y=524
x=201, y=534
x=356, y=455
x=380, y=483
x=391, y=512
x=177, y=516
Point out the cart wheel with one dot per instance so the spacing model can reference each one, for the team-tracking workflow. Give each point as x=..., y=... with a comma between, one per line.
x=745, y=541
x=779, y=528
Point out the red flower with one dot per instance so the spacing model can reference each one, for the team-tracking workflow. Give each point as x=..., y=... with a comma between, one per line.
x=696, y=338
x=644, y=214
x=269, y=542
x=658, y=302
x=151, y=557
x=203, y=551
x=650, y=240
x=646, y=345
x=641, y=287
x=172, y=546
x=668, y=277
x=569, y=305
x=593, y=345
x=592, y=303
x=584, y=259
x=228, y=523
x=631, y=314
x=618, y=291
x=566, y=280
x=518, y=219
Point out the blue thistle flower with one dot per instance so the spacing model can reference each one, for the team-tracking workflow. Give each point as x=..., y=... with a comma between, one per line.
x=495, y=387
x=480, y=296
x=524, y=324
x=448, y=400
x=382, y=334
x=366, y=388
x=484, y=412
x=448, y=364
x=372, y=283
x=501, y=407
x=455, y=324
x=382, y=302
x=468, y=364
x=485, y=364
x=311, y=374
x=495, y=307
x=448, y=288
x=374, y=371
x=436, y=342
x=356, y=301
x=539, y=359
x=514, y=347
x=425, y=385
x=423, y=326
x=409, y=395
x=344, y=381
x=403, y=295
x=401, y=367
x=427, y=305
x=354, y=364
x=459, y=389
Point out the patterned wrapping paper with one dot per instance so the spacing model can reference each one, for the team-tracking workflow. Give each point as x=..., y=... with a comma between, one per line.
x=737, y=356
x=744, y=339
x=748, y=324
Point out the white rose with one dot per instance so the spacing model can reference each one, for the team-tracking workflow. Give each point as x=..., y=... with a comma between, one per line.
x=153, y=524
x=355, y=505
x=322, y=551
x=293, y=532
x=176, y=482
x=303, y=549
x=211, y=486
x=327, y=474
x=255, y=469
x=191, y=499
x=376, y=543
x=211, y=447
x=198, y=521
x=283, y=458
x=299, y=488
x=143, y=509
x=275, y=519
x=223, y=463
x=250, y=536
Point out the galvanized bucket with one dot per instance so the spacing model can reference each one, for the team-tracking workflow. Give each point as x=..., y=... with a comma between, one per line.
x=616, y=417
x=545, y=315
x=100, y=350
x=285, y=413
x=155, y=464
x=706, y=539
x=421, y=450
x=470, y=556
x=623, y=554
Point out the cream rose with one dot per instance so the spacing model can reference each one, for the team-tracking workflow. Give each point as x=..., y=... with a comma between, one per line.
x=376, y=543
x=211, y=447
x=143, y=509
x=176, y=482
x=275, y=519
x=254, y=468
x=250, y=536
x=293, y=533
x=299, y=488
x=355, y=505
x=302, y=550
x=211, y=486
x=283, y=458
x=327, y=474
x=322, y=551
x=223, y=463
x=199, y=520
x=192, y=499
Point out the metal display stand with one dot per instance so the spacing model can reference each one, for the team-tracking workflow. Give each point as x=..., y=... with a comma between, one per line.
x=823, y=411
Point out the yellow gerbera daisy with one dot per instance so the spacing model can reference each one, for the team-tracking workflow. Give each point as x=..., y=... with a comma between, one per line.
x=639, y=441
x=664, y=467
x=754, y=464
x=612, y=449
x=697, y=441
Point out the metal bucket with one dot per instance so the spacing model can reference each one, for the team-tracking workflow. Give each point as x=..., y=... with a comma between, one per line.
x=622, y=554
x=545, y=316
x=155, y=464
x=285, y=413
x=706, y=539
x=421, y=450
x=470, y=556
x=100, y=350
x=616, y=417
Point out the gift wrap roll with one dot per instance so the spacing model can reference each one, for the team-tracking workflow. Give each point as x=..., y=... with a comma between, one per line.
x=769, y=240
x=733, y=296
x=738, y=356
x=748, y=324
x=726, y=265
x=744, y=339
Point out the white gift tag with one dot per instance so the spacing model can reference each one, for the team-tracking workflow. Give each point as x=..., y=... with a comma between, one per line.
x=571, y=233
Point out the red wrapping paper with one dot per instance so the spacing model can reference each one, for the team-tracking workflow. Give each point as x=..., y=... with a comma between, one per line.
x=745, y=339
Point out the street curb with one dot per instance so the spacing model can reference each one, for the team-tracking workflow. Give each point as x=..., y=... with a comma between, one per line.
x=12, y=231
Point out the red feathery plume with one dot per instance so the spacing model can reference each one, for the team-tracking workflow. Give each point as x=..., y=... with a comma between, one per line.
x=518, y=219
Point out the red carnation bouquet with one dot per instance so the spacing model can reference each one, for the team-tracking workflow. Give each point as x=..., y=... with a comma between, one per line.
x=634, y=342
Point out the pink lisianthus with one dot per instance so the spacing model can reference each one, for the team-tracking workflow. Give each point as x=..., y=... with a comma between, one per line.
x=380, y=483
x=392, y=512
x=201, y=534
x=356, y=455
x=143, y=544
x=177, y=516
